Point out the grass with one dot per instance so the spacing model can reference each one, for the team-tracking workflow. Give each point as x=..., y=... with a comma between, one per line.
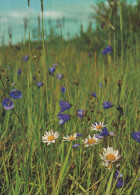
x=29, y=166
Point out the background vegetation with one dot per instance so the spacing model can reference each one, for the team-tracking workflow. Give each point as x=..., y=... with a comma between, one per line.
x=28, y=166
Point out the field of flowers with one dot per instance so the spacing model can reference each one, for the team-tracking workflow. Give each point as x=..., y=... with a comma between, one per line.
x=70, y=120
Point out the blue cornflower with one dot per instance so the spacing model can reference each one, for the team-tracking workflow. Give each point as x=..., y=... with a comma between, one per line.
x=117, y=174
x=39, y=84
x=104, y=52
x=106, y=133
x=75, y=145
x=52, y=69
x=107, y=105
x=15, y=94
x=101, y=85
x=64, y=105
x=81, y=113
x=63, y=118
x=94, y=94
x=25, y=58
x=8, y=104
x=63, y=89
x=108, y=49
x=19, y=72
x=79, y=135
x=120, y=183
x=59, y=76
x=136, y=136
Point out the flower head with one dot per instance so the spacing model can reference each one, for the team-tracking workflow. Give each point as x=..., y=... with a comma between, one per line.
x=39, y=84
x=63, y=118
x=15, y=94
x=75, y=145
x=136, y=136
x=19, y=72
x=64, y=105
x=90, y=141
x=118, y=174
x=108, y=49
x=94, y=94
x=80, y=113
x=52, y=69
x=98, y=126
x=50, y=137
x=110, y=155
x=63, y=89
x=106, y=133
x=59, y=76
x=101, y=85
x=70, y=138
x=107, y=105
x=79, y=135
x=25, y=58
x=8, y=104
x=120, y=183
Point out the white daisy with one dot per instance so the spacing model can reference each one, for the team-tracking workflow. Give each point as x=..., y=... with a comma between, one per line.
x=50, y=137
x=70, y=138
x=98, y=126
x=110, y=155
x=90, y=141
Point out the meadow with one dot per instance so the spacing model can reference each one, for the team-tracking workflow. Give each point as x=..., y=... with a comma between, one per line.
x=101, y=85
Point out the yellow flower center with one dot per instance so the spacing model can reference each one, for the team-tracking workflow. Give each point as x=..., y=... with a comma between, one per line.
x=50, y=137
x=71, y=138
x=110, y=157
x=91, y=141
x=99, y=127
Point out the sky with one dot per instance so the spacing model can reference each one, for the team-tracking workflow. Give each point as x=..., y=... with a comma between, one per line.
x=13, y=13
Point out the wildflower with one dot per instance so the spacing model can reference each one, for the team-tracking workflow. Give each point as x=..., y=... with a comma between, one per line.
x=106, y=133
x=75, y=145
x=52, y=69
x=63, y=89
x=136, y=136
x=99, y=136
x=15, y=94
x=94, y=94
x=98, y=126
x=79, y=135
x=39, y=84
x=118, y=174
x=120, y=183
x=25, y=58
x=8, y=104
x=63, y=118
x=64, y=105
x=101, y=85
x=50, y=137
x=70, y=138
x=108, y=49
x=90, y=141
x=110, y=155
x=19, y=72
x=80, y=113
x=107, y=105
x=59, y=76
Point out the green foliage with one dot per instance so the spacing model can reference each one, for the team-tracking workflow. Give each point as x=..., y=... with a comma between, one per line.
x=27, y=165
